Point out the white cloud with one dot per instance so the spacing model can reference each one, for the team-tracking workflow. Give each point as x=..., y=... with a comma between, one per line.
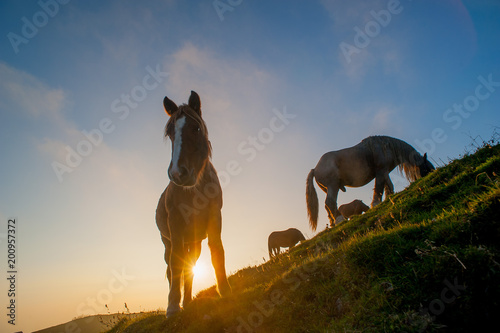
x=22, y=92
x=235, y=92
x=30, y=99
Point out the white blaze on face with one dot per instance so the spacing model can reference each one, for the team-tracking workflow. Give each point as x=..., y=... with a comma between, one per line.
x=176, y=153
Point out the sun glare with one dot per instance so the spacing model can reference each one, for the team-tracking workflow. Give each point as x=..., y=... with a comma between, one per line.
x=200, y=270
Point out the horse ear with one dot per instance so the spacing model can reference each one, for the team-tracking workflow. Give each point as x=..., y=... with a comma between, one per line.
x=194, y=102
x=425, y=156
x=170, y=106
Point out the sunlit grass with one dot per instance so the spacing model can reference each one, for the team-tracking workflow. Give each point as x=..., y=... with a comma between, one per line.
x=378, y=272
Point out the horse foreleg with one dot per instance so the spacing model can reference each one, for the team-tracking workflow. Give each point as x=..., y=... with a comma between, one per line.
x=176, y=266
x=166, y=243
x=378, y=190
x=217, y=254
x=389, y=187
x=192, y=255
x=331, y=206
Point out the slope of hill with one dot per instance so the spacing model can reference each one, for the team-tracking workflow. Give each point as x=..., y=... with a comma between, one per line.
x=91, y=324
x=426, y=259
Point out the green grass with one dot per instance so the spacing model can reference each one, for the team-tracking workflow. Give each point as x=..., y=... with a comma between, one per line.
x=425, y=260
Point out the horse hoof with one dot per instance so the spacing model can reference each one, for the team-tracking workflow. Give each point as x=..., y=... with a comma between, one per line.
x=224, y=290
x=171, y=311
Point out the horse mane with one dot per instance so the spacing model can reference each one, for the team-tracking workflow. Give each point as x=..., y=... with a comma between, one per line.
x=406, y=157
x=184, y=109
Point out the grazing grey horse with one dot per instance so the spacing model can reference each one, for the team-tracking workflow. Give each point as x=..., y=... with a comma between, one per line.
x=373, y=158
x=352, y=208
x=189, y=209
x=285, y=238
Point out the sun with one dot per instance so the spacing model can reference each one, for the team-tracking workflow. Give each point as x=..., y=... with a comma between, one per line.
x=200, y=270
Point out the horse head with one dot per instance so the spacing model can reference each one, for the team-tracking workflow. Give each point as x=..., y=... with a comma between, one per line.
x=191, y=149
x=363, y=207
x=425, y=166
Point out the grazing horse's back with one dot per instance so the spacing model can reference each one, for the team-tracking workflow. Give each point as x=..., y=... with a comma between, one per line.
x=286, y=238
x=373, y=158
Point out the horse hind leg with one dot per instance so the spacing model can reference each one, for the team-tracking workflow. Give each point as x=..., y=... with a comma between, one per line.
x=378, y=190
x=192, y=255
x=217, y=254
x=331, y=206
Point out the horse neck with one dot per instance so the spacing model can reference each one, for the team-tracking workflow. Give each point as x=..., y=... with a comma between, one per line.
x=405, y=156
x=207, y=176
x=404, y=153
x=409, y=161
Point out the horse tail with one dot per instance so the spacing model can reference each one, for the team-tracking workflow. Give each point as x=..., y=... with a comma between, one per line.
x=312, y=201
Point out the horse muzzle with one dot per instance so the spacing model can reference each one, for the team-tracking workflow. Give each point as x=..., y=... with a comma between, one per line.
x=182, y=176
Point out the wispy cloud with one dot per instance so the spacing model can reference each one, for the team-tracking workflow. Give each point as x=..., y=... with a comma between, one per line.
x=365, y=36
x=27, y=97
x=23, y=93
x=234, y=91
x=344, y=13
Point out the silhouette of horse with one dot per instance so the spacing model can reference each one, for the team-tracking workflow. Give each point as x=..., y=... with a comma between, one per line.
x=189, y=209
x=352, y=208
x=285, y=238
x=374, y=157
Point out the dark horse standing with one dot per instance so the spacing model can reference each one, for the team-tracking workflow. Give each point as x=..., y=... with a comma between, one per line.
x=374, y=157
x=189, y=209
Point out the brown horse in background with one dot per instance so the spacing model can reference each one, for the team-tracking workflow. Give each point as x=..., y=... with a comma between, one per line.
x=286, y=238
x=189, y=209
x=373, y=158
x=352, y=208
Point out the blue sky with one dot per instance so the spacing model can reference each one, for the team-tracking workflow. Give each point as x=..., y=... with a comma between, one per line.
x=423, y=71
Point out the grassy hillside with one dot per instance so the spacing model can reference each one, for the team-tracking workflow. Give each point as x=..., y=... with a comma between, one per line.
x=426, y=259
x=91, y=324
